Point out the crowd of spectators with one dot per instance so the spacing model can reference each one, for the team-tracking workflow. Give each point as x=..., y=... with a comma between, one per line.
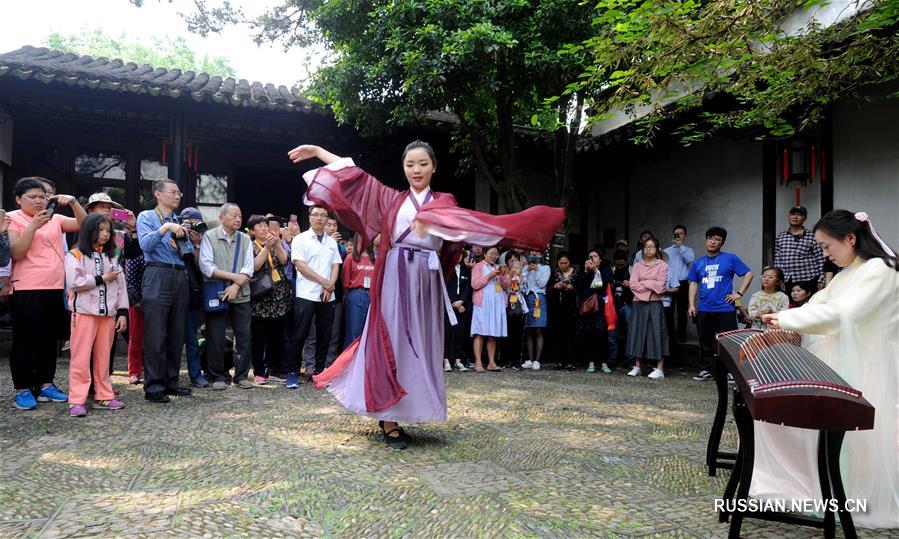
x=171, y=286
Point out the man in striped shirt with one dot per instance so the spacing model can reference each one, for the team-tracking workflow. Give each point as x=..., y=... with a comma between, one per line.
x=797, y=253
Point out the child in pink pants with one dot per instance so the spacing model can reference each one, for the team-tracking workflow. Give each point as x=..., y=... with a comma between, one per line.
x=98, y=300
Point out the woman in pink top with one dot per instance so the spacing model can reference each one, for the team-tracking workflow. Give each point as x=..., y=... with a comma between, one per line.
x=490, y=282
x=647, y=334
x=38, y=279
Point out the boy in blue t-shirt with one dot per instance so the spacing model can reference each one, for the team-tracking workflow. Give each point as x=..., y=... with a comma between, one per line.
x=712, y=276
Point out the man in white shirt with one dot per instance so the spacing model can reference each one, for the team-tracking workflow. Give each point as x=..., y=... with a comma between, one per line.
x=226, y=254
x=680, y=258
x=316, y=257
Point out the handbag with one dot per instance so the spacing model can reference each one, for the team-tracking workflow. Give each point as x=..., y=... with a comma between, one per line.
x=261, y=284
x=515, y=308
x=611, y=312
x=213, y=290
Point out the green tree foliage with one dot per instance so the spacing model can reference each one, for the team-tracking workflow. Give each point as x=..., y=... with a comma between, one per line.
x=487, y=66
x=646, y=53
x=168, y=52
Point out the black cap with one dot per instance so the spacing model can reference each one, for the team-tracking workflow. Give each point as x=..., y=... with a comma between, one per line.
x=799, y=209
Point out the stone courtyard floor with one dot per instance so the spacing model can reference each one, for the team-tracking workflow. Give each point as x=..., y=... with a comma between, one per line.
x=533, y=454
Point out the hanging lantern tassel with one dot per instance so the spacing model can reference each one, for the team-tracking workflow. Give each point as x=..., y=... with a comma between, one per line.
x=163, y=161
x=797, y=195
x=811, y=177
x=786, y=168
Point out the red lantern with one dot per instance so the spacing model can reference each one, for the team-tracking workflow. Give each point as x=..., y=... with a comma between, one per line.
x=812, y=176
x=785, y=172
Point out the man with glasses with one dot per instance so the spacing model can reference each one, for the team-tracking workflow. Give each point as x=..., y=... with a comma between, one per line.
x=316, y=257
x=165, y=292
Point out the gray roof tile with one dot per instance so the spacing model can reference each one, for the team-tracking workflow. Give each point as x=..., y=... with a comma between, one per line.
x=48, y=66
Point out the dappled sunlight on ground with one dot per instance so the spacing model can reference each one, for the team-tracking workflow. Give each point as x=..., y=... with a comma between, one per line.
x=524, y=454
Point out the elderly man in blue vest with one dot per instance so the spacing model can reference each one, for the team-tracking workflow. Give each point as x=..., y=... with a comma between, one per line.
x=226, y=254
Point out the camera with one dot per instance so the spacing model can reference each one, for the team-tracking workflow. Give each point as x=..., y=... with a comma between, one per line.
x=199, y=227
x=533, y=260
x=183, y=247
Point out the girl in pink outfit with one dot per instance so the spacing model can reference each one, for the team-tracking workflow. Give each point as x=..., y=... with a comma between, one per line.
x=647, y=335
x=490, y=282
x=98, y=299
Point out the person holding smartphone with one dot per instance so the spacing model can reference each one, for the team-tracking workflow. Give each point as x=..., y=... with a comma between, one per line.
x=38, y=279
x=680, y=258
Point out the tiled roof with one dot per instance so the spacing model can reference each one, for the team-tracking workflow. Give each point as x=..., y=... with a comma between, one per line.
x=48, y=66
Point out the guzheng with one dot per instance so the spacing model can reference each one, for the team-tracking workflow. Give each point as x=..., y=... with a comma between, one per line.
x=785, y=384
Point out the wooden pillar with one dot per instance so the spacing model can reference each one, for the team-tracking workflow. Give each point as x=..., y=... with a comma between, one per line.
x=827, y=162
x=176, y=135
x=769, y=201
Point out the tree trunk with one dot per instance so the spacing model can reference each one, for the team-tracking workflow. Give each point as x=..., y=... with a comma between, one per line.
x=565, y=151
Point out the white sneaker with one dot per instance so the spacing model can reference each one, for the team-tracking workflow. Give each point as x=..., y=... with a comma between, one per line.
x=527, y=364
x=656, y=374
x=446, y=367
x=535, y=365
x=634, y=372
x=460, y=367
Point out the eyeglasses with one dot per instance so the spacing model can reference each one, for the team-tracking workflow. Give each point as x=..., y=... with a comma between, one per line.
x=176, y=193
x=322, y=215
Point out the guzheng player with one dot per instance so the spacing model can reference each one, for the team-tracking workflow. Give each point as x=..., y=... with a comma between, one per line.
x=853, y=326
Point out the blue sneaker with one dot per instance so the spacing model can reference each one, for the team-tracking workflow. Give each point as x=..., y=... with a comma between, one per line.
x=51, y=394
x=292, y=381
x=24, y=400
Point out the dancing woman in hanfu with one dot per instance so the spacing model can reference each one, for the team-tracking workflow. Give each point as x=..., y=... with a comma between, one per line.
x=394, y=371
x=853, y=326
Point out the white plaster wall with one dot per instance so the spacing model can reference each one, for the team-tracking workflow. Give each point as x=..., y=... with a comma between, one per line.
x=715, y=183
x=866, y=162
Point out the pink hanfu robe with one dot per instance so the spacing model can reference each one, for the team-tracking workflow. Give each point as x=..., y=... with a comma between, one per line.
x=394, y=370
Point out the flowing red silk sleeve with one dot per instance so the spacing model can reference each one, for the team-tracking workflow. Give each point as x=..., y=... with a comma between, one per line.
x=531, y=229
x=357, y=198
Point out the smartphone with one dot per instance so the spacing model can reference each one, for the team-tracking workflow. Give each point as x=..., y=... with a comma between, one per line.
x=293, y=218
x=51, y=207
x=119, y=215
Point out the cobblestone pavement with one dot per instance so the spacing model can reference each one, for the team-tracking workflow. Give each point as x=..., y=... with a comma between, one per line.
x=532, y=454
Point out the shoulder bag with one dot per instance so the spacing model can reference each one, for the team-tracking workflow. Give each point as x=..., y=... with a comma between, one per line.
x=213, y=290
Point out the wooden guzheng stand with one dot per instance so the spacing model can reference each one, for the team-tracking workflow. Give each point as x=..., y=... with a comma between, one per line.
x=779, y=382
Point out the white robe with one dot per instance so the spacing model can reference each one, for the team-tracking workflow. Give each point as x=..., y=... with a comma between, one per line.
x=853, y=326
